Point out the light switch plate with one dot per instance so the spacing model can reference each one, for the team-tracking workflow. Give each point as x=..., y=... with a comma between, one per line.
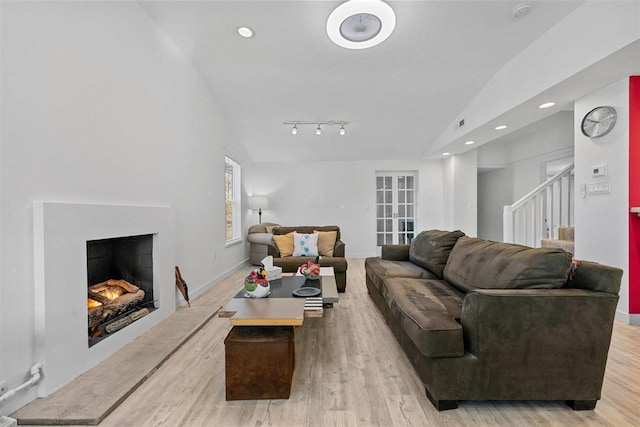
x=601, y=187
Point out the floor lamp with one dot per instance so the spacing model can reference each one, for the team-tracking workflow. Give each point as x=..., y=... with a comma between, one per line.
x=259, y=202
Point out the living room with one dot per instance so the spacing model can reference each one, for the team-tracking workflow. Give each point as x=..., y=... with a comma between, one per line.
x=102, y=104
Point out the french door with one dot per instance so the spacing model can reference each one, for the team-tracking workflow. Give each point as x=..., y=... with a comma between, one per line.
x=395, y=207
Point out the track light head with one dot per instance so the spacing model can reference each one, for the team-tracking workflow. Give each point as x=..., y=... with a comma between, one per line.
x=318, y=130
x=343, y=131
x=294, y=131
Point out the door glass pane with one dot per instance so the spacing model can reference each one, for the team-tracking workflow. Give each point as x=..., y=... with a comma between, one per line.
x=410, y=211
x=401, y=197
x=379, y=183
x=401, y=183
x=379, y=197
x=389, y=225
x=409, y=196
x=388, y=211
x=401, y=211
x=388, y=197
x=380, y=225
x=402, y=240
x=410, y=182
x=410, y=225
x=380, y=211
x=380, y=239
x=389, y=238
x=387, y=182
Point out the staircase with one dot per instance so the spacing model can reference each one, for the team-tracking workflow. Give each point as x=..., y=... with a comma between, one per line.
x=542, y=213
x=564, y=240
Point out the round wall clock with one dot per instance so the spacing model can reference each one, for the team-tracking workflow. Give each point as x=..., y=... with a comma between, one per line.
x=599, y=121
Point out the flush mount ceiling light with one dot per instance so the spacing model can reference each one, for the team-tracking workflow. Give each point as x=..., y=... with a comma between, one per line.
x=469, y=143
x=501, y=127
x=245, y=32
x=547, y=105
x=359, y=24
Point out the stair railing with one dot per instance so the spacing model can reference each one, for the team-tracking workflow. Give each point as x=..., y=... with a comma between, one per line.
x=540, y=212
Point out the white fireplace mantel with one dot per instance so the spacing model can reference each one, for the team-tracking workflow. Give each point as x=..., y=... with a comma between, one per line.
x=61, y=232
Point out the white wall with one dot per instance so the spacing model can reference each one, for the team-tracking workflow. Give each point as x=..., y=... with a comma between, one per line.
x=99, y=107
x=519, y=159
x=343, y=194
x=602, y=221
x=461, y=192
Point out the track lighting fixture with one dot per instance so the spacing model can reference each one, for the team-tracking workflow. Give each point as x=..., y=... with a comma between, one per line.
x=318, y=125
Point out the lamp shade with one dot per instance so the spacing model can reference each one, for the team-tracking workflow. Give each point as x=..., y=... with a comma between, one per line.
x=259, y=202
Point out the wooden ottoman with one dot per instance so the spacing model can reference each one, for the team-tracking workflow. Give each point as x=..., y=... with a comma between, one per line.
x=259, y=362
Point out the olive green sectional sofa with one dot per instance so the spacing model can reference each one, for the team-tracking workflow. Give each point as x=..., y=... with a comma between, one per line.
x=482, y=320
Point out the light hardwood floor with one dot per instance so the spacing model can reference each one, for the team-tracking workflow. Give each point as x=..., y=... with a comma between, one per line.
x=351, y=372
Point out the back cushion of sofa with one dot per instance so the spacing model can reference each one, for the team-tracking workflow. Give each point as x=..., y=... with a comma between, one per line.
x=483, y=264
x=307, y=229
x=430, y=249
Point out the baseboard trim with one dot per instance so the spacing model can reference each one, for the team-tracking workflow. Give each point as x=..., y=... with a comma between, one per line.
x=629, y=319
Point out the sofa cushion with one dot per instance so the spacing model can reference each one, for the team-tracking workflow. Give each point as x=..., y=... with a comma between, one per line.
x=378, y=269
x=430, y=249
x=427, y=311
x=284, y=243
x=305, y=244
x=483, y=264
x=307, y=229
x=326, y=242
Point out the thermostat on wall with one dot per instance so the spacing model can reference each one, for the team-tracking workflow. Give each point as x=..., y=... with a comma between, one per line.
x=600, y=170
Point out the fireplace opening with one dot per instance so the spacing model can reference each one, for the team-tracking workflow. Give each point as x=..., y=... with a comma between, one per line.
x=119, y=284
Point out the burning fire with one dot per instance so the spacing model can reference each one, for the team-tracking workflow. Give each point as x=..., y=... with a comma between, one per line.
x=111, y=292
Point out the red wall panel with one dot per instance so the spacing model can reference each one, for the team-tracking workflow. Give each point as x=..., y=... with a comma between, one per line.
x=634, y=194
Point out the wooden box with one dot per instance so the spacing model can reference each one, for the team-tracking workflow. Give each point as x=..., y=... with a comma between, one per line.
x=259, y=362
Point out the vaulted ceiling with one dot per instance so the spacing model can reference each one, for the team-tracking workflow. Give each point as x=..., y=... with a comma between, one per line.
x=398, y=97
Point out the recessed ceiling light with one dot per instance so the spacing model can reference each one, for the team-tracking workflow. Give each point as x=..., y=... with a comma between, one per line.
x=501, y=127
x=469, y=142
x=245, y=32
x=359, y=24
x=446, y=153
x=547, y=105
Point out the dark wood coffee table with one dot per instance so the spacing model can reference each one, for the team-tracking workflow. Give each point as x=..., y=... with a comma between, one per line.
x=267, y=330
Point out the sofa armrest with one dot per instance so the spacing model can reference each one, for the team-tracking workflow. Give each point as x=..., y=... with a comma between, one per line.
x=395, y=252
x=338, y=249
x=260, y=238
x=542, y=338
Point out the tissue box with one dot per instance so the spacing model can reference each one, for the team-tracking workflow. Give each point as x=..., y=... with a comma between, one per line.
x=274, y=273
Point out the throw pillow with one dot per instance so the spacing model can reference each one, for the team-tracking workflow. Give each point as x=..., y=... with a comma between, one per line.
x=284, y=243
x=326, y=242
x=305, y=244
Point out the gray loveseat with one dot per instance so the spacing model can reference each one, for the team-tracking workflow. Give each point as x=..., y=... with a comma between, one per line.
x=482, y=320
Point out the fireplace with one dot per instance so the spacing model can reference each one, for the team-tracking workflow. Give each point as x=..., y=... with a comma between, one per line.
x=61, y=278
x=119, y=284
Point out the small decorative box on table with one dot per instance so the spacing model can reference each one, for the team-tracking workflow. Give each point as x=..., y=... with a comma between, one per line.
x=259, y=362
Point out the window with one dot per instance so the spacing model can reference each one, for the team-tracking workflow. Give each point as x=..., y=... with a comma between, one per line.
x=232, y=200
